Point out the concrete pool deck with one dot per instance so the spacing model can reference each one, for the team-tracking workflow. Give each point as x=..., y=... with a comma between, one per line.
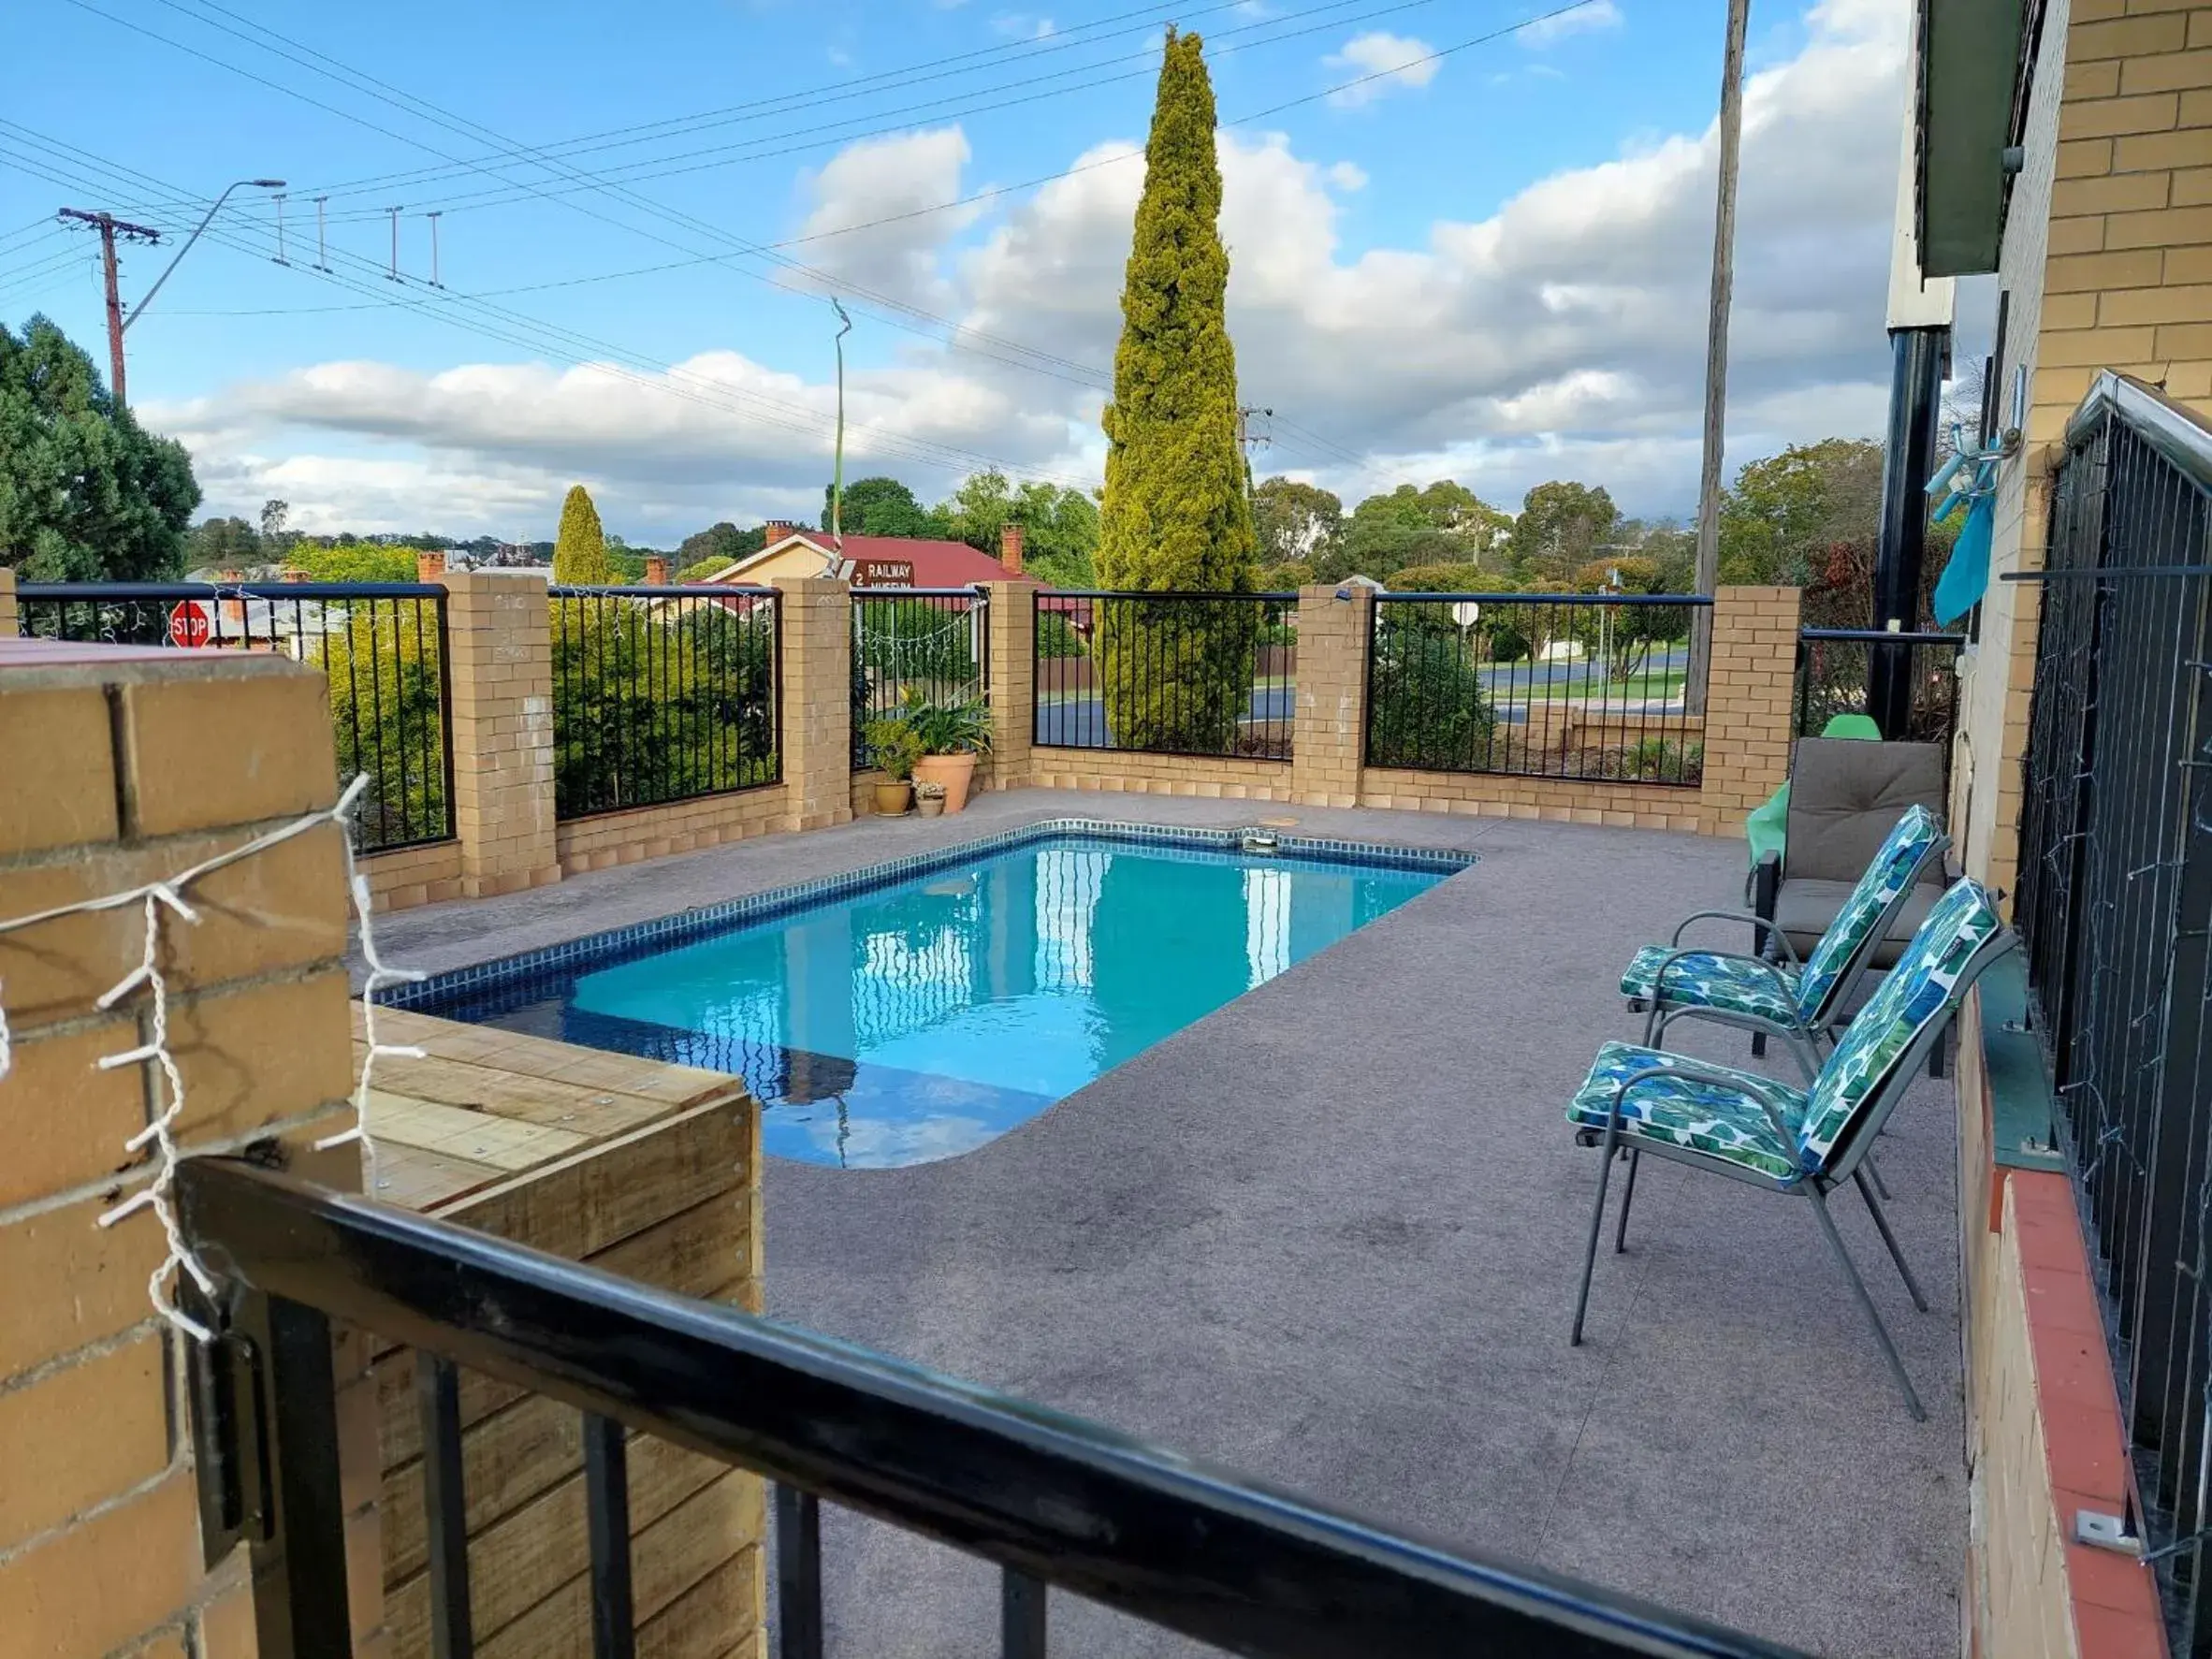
x=1328, y=1237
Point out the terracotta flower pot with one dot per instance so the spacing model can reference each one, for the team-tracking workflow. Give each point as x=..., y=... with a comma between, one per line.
x=955, y=771
x=929, y=806
x=893, y=797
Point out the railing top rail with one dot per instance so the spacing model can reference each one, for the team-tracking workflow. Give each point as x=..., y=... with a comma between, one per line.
x=2179, y=433
x=687, y=591
x=1065, y=1500
x=975, y=593
x=1880, y=636
x=1045, y=595
x=129, y=590
x=1386, y=597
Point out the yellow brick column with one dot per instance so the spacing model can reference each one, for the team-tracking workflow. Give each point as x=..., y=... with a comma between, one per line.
x=499, y=645
x=10, y=626
x=815, y=614
x=1012, y=618
x=1748, y=702
x=99, y=1534
x=1330, y=739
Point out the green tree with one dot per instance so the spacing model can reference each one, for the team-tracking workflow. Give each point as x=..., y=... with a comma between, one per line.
x=883, y=507
x=1561, y=528
x=716, y=547
x=1786, y=513
x=353, y=561
x=579, y=552
x=222, y=544
x=86, y=493
x=1176, y=514
x=1059, y=526
x=1295, y=523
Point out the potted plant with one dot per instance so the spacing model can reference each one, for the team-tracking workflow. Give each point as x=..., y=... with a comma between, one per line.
x=951, y=735
x=896, y=748
x=929, y=798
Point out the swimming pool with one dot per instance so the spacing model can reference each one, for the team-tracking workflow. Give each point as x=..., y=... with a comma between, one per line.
x=917, y=1010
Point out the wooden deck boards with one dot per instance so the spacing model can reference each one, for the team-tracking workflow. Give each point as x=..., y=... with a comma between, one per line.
x=484, y=1105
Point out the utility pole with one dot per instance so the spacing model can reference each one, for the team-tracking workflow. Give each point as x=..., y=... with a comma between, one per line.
x=1716, y=353
x=1246, y=441
x=837, y=478
x=109, y=227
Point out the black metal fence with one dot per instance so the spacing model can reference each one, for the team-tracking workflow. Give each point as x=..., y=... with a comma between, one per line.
x=2115, y=905
x=381, y=645
x=1196, y=674
x=1590, y=687
x=663, y=695
x=926, y=643
x=1054, y=1502
x=1836, y=667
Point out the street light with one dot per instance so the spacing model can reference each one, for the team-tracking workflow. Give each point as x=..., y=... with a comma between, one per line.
x=242, y=185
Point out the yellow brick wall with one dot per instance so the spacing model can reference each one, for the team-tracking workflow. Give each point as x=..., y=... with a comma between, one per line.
x=1330, y=740
x=1211, y=777
x=816, y=621
x=500, y=651
x=99, y=1547
x=2107, y=255
x=608, y=838
x=411, y=876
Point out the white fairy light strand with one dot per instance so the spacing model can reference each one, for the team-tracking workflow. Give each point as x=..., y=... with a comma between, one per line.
x=162, y=899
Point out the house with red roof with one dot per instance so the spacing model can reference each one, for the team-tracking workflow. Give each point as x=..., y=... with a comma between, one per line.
x=792, y=550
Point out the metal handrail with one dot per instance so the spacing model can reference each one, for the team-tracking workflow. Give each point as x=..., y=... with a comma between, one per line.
x=1046, y=1496
x=127, y=590
x=2177, y=432
x=976, y=592
x=1159, y=593
x=1881, y=636
x=687, y=591
x=1386, y=597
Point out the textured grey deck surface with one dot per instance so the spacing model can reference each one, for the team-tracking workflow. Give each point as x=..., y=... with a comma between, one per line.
x=1329, y=1236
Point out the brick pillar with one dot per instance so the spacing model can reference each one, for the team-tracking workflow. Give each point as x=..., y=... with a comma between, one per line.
x=1330, y=737
x=1748, y=702
x=99, y=1527
x=1012, y=618
x=500, y=657
x=10, y=626
x=816, y=618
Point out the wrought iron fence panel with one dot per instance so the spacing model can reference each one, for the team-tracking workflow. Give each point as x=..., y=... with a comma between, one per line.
x=664, y=694
x=2114, y=905
x=1586, y=687
x=1185, y=674
x=930, y=644
x=380, y=645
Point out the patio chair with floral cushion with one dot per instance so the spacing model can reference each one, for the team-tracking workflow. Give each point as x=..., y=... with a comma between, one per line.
x=1804, y=1142
x=1800, y=1003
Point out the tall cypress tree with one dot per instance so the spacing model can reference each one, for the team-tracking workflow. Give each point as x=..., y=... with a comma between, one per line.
x=1176, y=514
x=579, y=552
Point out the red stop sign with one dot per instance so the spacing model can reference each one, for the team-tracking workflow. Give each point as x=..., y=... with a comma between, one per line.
x=189, y=624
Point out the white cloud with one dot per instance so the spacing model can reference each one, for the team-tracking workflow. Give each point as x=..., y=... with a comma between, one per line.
x=1562, y=335
x=1591, y=18
x=1383, y=61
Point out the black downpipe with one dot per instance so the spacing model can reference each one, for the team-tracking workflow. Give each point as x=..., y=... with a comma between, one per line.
x=1908, y=458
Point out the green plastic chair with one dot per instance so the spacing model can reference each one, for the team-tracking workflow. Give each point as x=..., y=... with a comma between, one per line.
x=1803, y=1142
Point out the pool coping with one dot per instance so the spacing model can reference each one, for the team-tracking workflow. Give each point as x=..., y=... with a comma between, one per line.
x=700, y=920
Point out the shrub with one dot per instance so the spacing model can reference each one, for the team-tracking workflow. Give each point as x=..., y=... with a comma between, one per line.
x=1428, y=706
x=1057, y=636
x=1441, y=578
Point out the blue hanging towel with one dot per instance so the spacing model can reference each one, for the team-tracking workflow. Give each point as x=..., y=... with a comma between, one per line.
x=1966, y=577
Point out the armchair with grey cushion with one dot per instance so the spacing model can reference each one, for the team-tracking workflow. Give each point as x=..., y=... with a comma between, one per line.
x=1845, y=797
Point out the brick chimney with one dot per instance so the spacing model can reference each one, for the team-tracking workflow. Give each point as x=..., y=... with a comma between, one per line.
x=775, y=530
x=656, y=570
x=1010, y=547
x=429, y=567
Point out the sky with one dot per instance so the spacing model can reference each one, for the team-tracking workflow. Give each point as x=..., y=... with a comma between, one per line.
x=1467, y=238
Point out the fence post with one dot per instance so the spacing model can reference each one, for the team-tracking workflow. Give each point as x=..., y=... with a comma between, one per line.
x=1748, y=702
x=1330, y=740
x=815, y=615
x=9, y=625
x=1012, y=618
x=498, y=646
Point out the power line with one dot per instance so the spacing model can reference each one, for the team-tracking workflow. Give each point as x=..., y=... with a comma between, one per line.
x=533, y=334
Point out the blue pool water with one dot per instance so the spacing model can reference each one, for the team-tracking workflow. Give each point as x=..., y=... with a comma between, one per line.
x=919, y=1019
